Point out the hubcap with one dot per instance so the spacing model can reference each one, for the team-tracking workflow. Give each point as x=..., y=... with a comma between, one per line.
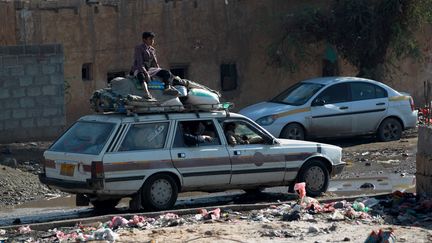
x=391, y=131
x=315, y=178
x=161, y=192
x=294, y=133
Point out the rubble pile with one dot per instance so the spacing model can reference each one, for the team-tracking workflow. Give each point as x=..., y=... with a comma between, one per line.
x=398, y=209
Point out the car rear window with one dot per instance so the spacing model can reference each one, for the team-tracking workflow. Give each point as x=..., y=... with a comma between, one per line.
x=145, y=136
x=84, y=138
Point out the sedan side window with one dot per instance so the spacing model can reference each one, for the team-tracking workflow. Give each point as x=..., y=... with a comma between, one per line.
x=365, y=91
x=334, y=94
x=145, y=136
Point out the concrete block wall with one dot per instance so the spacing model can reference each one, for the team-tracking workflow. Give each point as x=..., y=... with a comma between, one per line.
x=32, y=103
x=424, y=162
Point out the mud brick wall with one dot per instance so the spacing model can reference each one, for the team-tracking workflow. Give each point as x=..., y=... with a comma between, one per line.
x=424, y=162
x=32, y=103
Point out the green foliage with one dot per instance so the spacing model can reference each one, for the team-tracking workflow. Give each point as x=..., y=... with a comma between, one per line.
x=367, y=33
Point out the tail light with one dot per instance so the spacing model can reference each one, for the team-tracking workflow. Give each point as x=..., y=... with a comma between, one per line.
x=412, y=103
x=97, y=170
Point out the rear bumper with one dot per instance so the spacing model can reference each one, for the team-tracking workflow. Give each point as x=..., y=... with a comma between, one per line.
x=90, y=184
x=337, y=169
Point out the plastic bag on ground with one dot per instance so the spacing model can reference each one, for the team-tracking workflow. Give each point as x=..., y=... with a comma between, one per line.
x=300, y=188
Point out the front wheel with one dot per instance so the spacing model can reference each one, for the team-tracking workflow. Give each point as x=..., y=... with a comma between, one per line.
x=159, y=192
x=389, y=130
x=316, y=176
x=293, y=131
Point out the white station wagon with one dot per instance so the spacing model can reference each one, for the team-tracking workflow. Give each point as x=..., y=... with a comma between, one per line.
x=336, y=107
x=152, y=157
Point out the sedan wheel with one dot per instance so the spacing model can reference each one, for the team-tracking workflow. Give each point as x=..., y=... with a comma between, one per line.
x=316, y=176
x=390, y=130
x=293, y=131
x=159, y=192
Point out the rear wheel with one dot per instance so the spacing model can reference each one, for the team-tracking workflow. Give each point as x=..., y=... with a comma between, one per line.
x=293, y=131
x=316, y=176
x=107, y=204
x=390, y=130
x=159, y=192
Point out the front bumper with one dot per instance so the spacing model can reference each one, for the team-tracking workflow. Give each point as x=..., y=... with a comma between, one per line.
x=90, y=184
x=337, y=169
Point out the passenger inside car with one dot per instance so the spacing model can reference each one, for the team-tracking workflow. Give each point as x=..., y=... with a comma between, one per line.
x=232, y=137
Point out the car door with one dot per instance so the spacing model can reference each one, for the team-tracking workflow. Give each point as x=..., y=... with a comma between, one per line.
x=138, y=151
x=368, y=107
x=203, y=163
x=256, y=161
x=330, y=112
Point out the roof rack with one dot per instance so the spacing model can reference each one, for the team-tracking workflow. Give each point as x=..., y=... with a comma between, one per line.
x=154, y=109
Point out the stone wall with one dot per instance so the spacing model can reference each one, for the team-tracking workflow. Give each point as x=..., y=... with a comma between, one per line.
x=424, y=162
x=31, y=92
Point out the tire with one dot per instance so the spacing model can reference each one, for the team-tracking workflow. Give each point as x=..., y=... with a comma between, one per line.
x=293, y=131
x=159, y=193
x=389, y=130
x=105, y=204
x=316, y=176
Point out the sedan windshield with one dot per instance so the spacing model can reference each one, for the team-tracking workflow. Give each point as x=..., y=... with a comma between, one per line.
x=297, y=94
x=84, y=138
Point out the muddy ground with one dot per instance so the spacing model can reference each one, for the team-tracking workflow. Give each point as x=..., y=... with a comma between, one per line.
x=20, y=163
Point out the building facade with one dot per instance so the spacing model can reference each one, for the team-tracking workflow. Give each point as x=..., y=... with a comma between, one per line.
x=220, y=43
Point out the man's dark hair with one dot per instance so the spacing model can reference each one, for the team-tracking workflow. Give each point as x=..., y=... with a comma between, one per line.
x=147, y=34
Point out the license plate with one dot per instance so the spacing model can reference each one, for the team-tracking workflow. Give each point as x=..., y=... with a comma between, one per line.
x=67, y=169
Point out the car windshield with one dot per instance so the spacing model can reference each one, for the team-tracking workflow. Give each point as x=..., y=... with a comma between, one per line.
x=84, y=138
x=297, y=94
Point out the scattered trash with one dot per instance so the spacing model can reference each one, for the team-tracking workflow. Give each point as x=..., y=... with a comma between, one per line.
x=398, y=208
x=214, y=214
x=300, y=188
x=24, y=229
x=386, y=236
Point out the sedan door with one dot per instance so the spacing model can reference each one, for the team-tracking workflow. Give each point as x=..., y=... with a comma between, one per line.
x=369, y=106
x=255, y=160
x=331, y=112
x=199, y=156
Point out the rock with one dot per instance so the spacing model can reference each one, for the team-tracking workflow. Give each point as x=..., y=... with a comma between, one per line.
x=333, y=227
x=9, y=161
x=208, y=232
x=367, y=164
x=294, y=215
x=313, y=229
x=17, y=221
x=346, y=239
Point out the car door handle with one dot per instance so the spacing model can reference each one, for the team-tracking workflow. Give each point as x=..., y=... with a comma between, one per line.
x=343, y=107
x=382, y=103
x=181, y=155
x=236, y=152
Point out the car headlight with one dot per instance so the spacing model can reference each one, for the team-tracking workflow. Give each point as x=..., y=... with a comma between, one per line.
x=266, y=120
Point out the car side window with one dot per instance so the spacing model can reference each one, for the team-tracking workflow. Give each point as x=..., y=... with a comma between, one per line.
x=365, y=91
x=335, y=94
x=145, y=136
x=241, y=132
x=196, y=133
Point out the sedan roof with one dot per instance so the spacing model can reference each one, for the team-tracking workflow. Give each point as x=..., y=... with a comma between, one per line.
x=330, y=80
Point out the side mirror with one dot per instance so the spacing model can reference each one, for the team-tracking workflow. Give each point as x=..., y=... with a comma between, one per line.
x=318, y=102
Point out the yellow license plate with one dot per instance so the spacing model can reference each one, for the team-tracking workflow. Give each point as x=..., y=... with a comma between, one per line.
x=67, y=169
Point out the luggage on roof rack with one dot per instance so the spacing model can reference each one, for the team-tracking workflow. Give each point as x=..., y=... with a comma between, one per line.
x=124, y=97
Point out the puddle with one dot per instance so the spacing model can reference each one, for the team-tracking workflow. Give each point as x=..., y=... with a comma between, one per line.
x=382, y=184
